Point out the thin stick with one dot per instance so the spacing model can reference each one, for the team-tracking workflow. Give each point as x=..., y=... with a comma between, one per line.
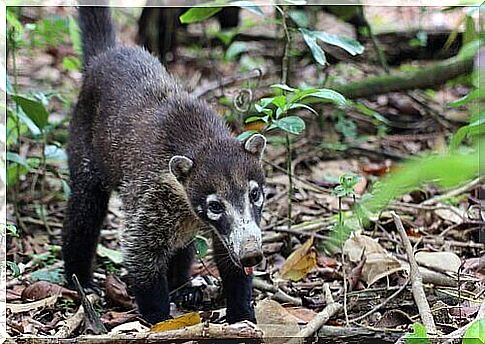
x=454, y=192
x=320, y=319
x=385, y=302
x=416, y=279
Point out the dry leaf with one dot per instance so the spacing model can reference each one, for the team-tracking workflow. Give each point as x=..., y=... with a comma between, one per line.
x=112, y=319
x=182, y=321
x=134, y=326
x=42, y=289
x=452, y=214
x=116, y=292
x=441, y=261
x=305, y=315
x=379, y=263
x=26, y=307
x=300, y=262
x=275, y=321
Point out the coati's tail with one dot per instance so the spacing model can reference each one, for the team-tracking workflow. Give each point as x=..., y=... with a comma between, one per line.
x=97, y=31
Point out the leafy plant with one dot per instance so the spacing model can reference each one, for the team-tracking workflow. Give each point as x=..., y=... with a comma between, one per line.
x=418, y=336
x=209, y=9
x=475, y=334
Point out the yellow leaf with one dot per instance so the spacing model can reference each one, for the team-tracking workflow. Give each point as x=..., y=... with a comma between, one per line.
x=182, y=321
x=300, y=262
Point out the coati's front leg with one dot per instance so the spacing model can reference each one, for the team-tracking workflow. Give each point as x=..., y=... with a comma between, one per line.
x=237, y=287
x=147, y=270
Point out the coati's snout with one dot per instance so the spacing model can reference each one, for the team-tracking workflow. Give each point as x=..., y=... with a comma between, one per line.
x=226, y=191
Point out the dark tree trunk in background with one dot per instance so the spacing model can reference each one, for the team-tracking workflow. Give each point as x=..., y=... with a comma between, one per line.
x=157, y=27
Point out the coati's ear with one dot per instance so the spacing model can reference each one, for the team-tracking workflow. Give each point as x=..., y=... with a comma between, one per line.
x=256, y=145
x=180, y=167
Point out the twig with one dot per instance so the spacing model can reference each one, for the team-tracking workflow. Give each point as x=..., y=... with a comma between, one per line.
x=385, y=302
x=71, y=324
x=92, y=322
x=278, y=294
x=454, y=192
x=416, y=279
x=320, y=319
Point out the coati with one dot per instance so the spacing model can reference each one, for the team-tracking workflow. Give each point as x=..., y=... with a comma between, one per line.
x=178, y=170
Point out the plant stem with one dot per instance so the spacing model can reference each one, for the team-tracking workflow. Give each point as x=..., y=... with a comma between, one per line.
x=17, y=129
x=375, y=44
x=44, y=181
x=285, y=70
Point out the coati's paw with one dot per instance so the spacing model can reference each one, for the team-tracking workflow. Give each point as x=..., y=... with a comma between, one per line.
x=234, y=318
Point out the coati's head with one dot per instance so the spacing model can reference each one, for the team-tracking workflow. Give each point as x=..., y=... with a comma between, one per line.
x=225, y=186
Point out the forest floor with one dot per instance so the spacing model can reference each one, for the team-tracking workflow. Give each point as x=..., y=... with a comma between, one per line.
x=368, y=276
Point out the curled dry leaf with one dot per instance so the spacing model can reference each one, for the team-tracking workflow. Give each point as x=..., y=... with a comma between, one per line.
x=378, y=262
x=182, y=321
x=42, y=289
x=117, y=293
x=113, y=319
x=26, y=307
x=300, y=262
x=451, y=213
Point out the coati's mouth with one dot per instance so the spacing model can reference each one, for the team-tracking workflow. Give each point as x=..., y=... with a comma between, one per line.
x=249, y=256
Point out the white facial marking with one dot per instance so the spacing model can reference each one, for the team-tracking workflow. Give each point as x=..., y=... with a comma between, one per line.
x=244, y=228
x=210, y=214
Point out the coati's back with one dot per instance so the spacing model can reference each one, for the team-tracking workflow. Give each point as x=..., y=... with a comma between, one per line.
x=136, y=105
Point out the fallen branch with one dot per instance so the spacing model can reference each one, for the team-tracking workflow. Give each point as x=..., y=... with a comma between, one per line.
x=424, y=77
x=320, y=319
x=416, y=280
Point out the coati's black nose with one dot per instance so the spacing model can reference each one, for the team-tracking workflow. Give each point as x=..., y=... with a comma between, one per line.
x=251, y=258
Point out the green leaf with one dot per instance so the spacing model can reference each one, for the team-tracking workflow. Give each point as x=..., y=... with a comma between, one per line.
x=14, y=157
x=66, y=190
x=34, y=109
x=55, y=154
x=34, y=129
x=473, y=129
x=473, y=95
x=236, y=49
x=75, y=36
x=13, y=266
x=113, y=255
x=469, y=50
x=303, y=106
x=246, y=135
x=248, y=5
x=447, y=170
x=197, y=14
x=475, y=334
x=283, y=87
x=418, y=336
x=279, y=101
x=299, y=17
x=311, y=42
x=71, y=63
x=330, y=95
x=201, y=246
x=291, y=124
x=54, y=276
x=350, y=45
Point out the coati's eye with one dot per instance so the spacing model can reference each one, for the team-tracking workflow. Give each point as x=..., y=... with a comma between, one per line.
x=254, y=195
x=215, y=207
